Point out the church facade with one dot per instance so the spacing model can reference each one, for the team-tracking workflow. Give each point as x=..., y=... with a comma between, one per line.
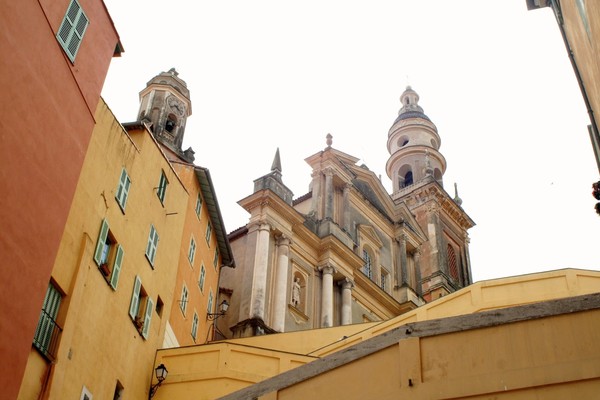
x=348, y=251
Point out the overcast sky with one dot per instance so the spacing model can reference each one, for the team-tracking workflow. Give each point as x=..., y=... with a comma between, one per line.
x=492, y=76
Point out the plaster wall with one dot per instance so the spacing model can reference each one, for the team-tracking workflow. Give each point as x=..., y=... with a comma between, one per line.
x=48, y=106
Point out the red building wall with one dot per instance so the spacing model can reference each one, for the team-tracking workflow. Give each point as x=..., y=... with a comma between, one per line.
x=46, y=119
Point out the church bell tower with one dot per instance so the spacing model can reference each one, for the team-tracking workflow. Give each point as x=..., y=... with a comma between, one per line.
x=165, y=104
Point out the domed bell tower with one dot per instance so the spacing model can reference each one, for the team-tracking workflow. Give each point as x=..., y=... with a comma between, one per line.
x=413, y=144
x=165, y=104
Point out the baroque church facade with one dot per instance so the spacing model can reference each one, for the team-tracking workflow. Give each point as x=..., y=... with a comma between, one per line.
x=348, y=251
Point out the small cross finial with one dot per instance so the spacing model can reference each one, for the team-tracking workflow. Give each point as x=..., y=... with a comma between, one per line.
x=329, y=140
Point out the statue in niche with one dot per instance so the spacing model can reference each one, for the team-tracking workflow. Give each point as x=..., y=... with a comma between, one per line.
x=296, y=292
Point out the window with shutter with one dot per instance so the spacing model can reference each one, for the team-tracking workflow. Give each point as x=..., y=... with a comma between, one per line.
x=114, y=279
x=202, y=277
x=192, y=251
x=71, y=31
x=152, y=245
x=195, y=326
x=147, y=317
x=184, y=299
x=198, y=205
x=123, y=189
x=47, y=331
x=134, y=305
x=162, y=187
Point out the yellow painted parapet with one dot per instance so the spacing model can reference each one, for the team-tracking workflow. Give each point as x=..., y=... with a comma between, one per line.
x=214, y=370
x=488, y=295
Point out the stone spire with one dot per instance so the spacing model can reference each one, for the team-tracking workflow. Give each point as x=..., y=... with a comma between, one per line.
x=273, y=181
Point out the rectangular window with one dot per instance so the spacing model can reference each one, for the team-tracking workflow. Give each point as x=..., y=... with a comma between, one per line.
x=140, y=308
x=71, y=31
x=209, y=306
x=195, y=326
x=216, y=259
x=198, y=205
x=108, y=255
x=384, y=280
x=208, y=233
x=162, y=187
x=184, y=299
x=152, y=245
x=123, y=189
x=367, y=267
x=202, y=277
x=48, y=331
x=192, y=251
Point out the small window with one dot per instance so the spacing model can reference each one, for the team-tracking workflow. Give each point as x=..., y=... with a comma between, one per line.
x=198, y=205
x=195, y=326
x=171, y=123
x=123, y=189
x=452, y=264
x=140, y=308
x=192, y=251
x=162, y=187
x=202, y=277
x=216, y=259
x=184, y=299
x=384, y=280
x=152, y=245
x=367, y=267
x=209, y=307
x=208, y=233
x=47, y=331
x=108, y=255
x=71, y=31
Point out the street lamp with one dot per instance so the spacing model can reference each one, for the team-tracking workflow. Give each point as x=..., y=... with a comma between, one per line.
x=161, y=374
x=222, y=310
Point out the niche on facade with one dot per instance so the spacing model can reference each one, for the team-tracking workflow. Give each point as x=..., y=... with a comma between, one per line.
x=298, y=291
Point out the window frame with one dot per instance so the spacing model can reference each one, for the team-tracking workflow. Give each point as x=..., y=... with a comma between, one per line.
x=108, y=256
x=195, y=321
x=192, y=251
x=199, y=203
x=71, y=32
x=141, y=300
x=208, y=233
x=47, y=329
x=183, y=300
x=202, y=278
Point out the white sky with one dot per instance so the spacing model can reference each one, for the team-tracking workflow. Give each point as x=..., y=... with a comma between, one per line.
x=492, y=76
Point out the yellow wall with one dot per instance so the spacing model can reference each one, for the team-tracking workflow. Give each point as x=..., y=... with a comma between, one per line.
x=99, y=343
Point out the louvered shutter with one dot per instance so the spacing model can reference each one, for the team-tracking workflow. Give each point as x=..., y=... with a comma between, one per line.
x=101, y=242
x=147, y=317
x=114, y=279
x=135, y=298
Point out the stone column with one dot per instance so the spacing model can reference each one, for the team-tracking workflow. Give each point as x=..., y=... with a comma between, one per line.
x=328, y=193
x=403, y=261
x=327, y=296
x=316, y=195
x=281, y=279
x=347, y=286
x=346, y=220
x=259, y=281
x=417, y=258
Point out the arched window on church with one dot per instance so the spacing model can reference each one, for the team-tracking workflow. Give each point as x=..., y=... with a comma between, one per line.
x=368, y=265
x=405, y=176
x=452, y=264
x=171, y=123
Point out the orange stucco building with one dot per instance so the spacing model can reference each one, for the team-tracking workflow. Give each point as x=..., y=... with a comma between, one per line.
x=55, y=58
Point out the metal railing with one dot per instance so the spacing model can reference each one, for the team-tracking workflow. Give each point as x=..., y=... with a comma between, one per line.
x=46, y=336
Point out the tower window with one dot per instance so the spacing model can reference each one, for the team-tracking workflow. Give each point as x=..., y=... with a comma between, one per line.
x=452, y=265
x=170, y=124
x=408, y=179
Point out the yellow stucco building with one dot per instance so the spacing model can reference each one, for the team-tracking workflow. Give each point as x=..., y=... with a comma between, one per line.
x=104, y=315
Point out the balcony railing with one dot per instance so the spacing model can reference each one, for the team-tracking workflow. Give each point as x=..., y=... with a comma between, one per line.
x=47, y=335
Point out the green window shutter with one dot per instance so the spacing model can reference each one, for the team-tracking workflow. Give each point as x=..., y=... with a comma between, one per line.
x=101, y=242
x=114, y=279
x=202, y=276
x=71, y=31
x=152, y=245
x=46, y=323
x=195, y=326
x=123, y=190
x=147, y=317
x=135, y=298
